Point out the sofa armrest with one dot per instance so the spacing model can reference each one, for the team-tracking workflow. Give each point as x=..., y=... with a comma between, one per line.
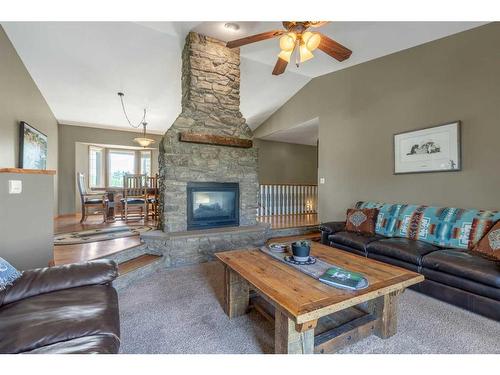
x=51, y=279
x=330, y=228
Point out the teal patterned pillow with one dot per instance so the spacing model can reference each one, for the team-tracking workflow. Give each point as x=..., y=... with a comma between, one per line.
x=8, y=274
x=442, y=226
x=446, y=226
x=387, y=219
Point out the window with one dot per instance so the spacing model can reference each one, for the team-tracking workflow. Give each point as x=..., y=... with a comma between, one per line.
x=96, y=167
x=145, y=165
x=120, y=162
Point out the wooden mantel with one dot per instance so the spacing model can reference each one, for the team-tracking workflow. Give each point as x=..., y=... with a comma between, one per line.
x=28, y=171
x=217, y=140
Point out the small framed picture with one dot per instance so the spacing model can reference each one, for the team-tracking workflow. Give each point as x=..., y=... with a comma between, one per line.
x=433, y=149
x=32, y=148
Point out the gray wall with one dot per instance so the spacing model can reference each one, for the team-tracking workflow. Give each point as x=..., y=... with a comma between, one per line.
x=69, y=136
x=20, y=100
x=26, y=220
x=360, y=108
x=287, y=163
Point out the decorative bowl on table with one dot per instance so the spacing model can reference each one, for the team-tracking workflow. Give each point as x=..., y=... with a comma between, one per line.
x=301, y=250
x=278, y=247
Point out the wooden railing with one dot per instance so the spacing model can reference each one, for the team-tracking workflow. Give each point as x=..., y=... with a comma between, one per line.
x=287, y=199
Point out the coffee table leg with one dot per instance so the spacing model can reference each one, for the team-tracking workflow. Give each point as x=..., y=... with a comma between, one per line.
x=236, y=295
x=287, y=340
x=386, y=309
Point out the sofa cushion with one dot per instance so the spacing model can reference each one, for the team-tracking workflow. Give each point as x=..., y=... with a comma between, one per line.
x=387, y=219
x=59, y=316
x=464, y=264
x=489, y=245
x=96, y=344
x=462, y=283
x=401, y=248
x=394, y=262
x=441, y=226
x=354, y=240
x=347, y=248
x=361, y=221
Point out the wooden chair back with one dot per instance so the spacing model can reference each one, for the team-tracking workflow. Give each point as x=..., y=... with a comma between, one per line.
x=134, y=186
x=82, y=185
x=153, y=184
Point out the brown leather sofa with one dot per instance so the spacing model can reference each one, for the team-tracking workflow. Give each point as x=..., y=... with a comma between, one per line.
x=455, y=276
x=65, y=309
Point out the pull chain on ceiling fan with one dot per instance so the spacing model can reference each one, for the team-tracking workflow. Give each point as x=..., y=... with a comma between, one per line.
x=297, y=37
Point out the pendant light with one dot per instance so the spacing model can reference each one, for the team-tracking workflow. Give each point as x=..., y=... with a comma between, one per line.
x=142, y=141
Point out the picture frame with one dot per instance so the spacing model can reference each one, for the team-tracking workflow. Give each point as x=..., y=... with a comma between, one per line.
x=432, y=149
x=33, y=147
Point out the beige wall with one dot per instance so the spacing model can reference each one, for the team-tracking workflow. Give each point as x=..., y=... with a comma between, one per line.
x=72, y=154
x=287, y=163
x=360, y=108
x=20, y=100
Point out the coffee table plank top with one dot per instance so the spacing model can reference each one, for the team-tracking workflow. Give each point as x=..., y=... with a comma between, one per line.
x=303, y=297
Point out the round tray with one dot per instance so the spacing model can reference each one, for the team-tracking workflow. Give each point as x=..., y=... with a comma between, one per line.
x=289, y=259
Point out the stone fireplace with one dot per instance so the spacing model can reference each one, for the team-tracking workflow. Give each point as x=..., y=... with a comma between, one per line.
x=208, y=150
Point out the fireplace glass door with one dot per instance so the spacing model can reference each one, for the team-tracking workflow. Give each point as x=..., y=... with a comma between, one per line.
x=211, y=205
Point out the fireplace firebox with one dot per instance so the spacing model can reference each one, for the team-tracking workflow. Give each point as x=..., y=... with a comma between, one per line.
x=212, y=205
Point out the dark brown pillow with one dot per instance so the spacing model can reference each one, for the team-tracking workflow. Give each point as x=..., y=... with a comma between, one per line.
x=489, y=245
x=361, y=220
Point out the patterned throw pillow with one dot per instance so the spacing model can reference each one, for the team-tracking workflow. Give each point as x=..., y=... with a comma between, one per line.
x=361, y=220
x=388, y=215
x=8, y=274
x=489, y=245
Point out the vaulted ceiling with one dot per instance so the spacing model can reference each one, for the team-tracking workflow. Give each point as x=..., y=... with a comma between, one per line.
x=80, y=66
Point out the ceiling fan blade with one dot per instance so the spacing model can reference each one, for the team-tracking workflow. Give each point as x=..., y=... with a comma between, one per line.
x=254, y=38
x=334, y=49
x=280, y=66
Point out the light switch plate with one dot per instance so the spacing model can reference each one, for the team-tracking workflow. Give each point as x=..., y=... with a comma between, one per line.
x=322, y=180
x=15, y=186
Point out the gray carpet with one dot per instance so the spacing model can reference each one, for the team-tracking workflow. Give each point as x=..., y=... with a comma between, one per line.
x=179, y=311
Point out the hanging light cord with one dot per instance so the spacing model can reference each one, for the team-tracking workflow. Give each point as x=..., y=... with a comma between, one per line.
x=142, y=122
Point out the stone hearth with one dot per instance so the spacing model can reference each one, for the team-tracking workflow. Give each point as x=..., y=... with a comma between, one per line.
x=210, y=105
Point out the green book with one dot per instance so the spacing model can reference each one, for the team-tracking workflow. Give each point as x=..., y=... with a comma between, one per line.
x=342, y=278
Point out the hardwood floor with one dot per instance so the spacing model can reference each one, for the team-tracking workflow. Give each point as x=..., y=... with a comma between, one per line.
x=290, y=221
x=64, y=254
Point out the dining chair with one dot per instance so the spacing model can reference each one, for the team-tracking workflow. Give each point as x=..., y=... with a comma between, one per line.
x=153, y=195
x=135, y=195
x=91, y=200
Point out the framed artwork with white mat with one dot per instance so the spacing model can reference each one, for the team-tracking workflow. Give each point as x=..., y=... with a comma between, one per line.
x=432, y=149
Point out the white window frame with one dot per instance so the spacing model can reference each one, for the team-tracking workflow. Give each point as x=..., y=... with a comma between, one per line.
x=103, y=167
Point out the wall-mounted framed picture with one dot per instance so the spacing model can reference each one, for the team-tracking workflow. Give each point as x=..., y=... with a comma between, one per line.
x=433, y=149
x=32, y=147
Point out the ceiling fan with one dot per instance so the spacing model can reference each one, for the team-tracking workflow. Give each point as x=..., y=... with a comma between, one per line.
x=297, y=36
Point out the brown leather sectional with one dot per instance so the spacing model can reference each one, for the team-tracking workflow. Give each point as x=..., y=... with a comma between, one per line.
x=65, y=309
x=456, y=276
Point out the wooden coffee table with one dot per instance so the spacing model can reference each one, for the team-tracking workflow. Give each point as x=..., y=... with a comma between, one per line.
x=311, y=316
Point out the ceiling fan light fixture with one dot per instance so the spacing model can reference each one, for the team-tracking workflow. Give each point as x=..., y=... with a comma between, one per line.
x=285, y=55
x=287, y=42
x=311, y=40
x=304, y=53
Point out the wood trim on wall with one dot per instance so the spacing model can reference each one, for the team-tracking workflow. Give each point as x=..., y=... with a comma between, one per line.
x=28, y=171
